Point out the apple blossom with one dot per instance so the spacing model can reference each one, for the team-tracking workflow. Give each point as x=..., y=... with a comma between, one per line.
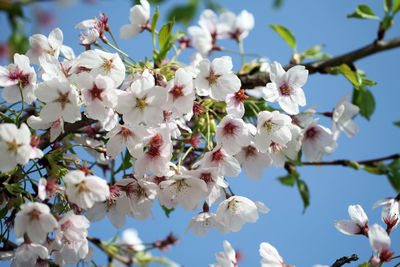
x=139, y=16
x=285, y=87
x=35, y=220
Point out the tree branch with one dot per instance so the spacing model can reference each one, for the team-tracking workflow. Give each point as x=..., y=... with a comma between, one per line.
x=343, y=260
x=321, y=66
x=98, y=243
x=346, y=162
x=68, y=128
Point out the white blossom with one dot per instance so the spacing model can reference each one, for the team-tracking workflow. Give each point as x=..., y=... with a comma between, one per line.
x=358, y=223
x=342, y=118
x=139, y=16
x=227, y=258
x=270, y=256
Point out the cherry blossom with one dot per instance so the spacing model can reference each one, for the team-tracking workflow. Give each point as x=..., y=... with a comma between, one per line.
x=15, y=146
x=317, y=141
x=180, y=95
x=139, y=16
x=18, y=76
x=41, y=45
x=235, y=211
x=35, y=220
x=28, y=254
x=272, y=127
x=47, y=189
x=358, y=223
x=83, y=190
x=219, y=158
x=253, y=161
x=216, y=78
x=226, y=258
x=285, y=87
x=62, y=101
x=237, y=27
x=380, y=242
x=234, y=103
x=270, y=256
x=390, y=212
x=342, y=118
x=202, y=223
x=56, y=127
x=232, y=133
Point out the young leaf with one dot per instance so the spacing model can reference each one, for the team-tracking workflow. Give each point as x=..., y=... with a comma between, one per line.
x=154, y=23
x=364, y=99
x=394, y=174
x=387, y=5
x=286, y=34
x=184, y=13
x=304, y=193
x=164, y=33
x=167, y=210
x=349, y=74
x=363, y=12
x=365, y=264
x=289, y=179
x=397, y=123
x=396, y=6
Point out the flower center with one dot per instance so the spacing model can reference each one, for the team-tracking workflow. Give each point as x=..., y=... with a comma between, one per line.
x=141, y=103
x=311, y=133
x=176, y=92
x=230, y=128
x=95, y=92
x=213, y=77
x=63, y=99
x=250, y=151
x=285, y=89
x=217, y=156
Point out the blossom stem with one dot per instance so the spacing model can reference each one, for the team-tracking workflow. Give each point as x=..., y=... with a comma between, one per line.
x=6, y=116
x=183, y=157
x=209, y=146
x=22, y=104
x=120, y=51
x=241, y=48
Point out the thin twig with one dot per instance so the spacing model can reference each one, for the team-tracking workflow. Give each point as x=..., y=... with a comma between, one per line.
x=346, y=162
x=343, y=260
x=321, y=66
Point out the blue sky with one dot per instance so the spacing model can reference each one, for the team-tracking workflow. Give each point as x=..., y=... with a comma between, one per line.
x=301, y=239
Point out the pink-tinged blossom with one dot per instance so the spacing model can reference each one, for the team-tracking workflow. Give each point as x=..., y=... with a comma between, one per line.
x=139, y=16
x=390, y=212
x=108, y=208
x=41, y=45
x=232, y=134
x=317, y=141
x=216, y=78
x=184, y=190
x=270, y=256
x=137, y=197
x=201, y=40
x=83, y=190
x=98, y=95
x=126, y=136
x=220, y=159
x=103, y=63
x=15, y=146
x=234, y=103
x=16, y=78
x=253, y=161
x=380, y=242
x=143, y=102
x=209, y=20
x=285, y=87
x=93, y=28
x=30, y=254
x=47, y=189
x=62, y=101
x=227, y=258
x=35, y=220
x=358, y=223
x=156, y=154
x=215, y=183
x=236, y=27
x=235, y=211
x=180, y=95
x=56, y=127
x=272, y=127
x=202, y=223
x=342, y=118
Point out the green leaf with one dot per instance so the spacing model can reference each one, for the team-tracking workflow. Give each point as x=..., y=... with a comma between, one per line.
x=349, y=74
x=19, y=43
x=167, y=210
x=363, y=12
x=184, y=13
x=364, y=99
x=286, y=34
x=168, y=45
x=394, y=174
x=396, y=6
x=289, y=179
x=154, y=23
x=164, y=33
x=278, y=3
x=397, y=123
x=3, y=212
x=365, y=264
x=387, y=5
x=304, y=193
